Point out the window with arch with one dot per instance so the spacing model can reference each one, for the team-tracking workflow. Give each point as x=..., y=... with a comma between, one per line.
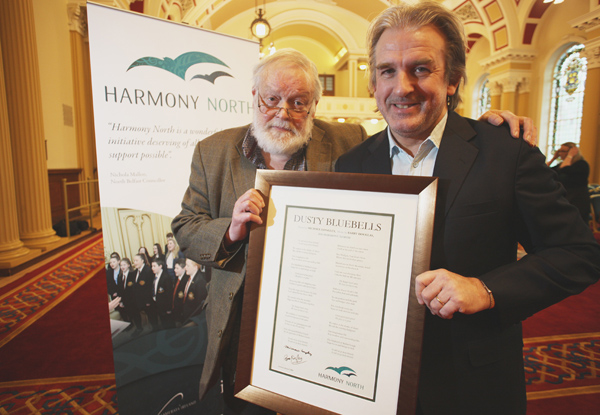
x=484, y=99
x=566, y=106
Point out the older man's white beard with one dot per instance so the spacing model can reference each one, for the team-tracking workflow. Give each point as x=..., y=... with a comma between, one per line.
x=274, y=142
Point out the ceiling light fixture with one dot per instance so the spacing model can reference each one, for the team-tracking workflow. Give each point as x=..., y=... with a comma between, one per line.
x=260, y=27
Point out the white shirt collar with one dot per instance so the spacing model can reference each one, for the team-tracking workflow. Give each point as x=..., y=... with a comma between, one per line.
x=435, y=137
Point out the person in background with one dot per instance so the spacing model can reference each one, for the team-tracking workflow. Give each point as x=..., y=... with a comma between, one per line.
x=112, y=276
x=163, y=295
x=194, y=292
x=122, y=288
x=168, y=236
x=220, y=203
x=179, y=290
x=573, y=172
x=172, y=254
x=158, y=253
x=145, y=255
x=142, y=285
x=493, y=193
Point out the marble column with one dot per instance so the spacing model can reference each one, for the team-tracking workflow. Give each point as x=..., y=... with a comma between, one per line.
x=21, y=72
x=352, y=77
x=495, y=95
x=11, y=247
x=523, y=98
x=82, y=86
x=509, y=94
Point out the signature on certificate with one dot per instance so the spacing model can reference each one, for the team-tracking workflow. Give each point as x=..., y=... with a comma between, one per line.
x=306, y=352
x=294, y=359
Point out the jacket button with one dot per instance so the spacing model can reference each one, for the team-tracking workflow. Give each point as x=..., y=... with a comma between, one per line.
x=220, y=333
x=230, y=296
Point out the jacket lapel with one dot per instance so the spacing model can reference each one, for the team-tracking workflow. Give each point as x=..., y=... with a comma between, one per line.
x=243, y=172
x=378, y=159
x=318, y=153
x=454, y=160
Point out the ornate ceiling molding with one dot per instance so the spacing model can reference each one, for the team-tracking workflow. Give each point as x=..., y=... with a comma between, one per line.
x=468, y=13
x=587, y=22
x=77, y=15
x=510, y=55
x=592, y=53
x=511, y=81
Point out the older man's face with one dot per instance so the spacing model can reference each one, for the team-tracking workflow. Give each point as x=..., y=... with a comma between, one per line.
x=285, y=87
x=410, y=84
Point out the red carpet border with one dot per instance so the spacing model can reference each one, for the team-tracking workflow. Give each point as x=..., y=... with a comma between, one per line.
x=81, y=395
x=562, y=370
x=29, y=300
x=562, y=365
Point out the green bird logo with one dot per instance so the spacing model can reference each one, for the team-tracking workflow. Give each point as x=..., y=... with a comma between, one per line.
x=180, y=65
x=343, y=370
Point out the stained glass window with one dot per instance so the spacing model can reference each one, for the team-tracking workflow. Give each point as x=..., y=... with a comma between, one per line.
x=484, y=100
x=566, y=107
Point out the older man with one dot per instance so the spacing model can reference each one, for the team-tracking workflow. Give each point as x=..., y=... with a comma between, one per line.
x=493, y=193
x=220, y=203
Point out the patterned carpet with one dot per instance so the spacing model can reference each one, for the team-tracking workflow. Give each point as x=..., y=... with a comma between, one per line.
x=77, y=395
x=33, y=308
x=562, y=370
x=42, y=290
x=562, y=356
x=562, y=365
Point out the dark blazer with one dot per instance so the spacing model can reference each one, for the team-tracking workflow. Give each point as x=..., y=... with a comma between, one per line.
x=493, y=192
x=122, y=292
x=143, y=288
x=171, y=271
x=126, y=287
x=575, y=180
x=196, y=294
x=121, y=284
x=220, y=174
x=164, y=294
x=111, y=285
x=178, y=293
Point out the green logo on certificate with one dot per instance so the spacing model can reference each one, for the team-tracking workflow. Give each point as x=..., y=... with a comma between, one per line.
x=343, y=370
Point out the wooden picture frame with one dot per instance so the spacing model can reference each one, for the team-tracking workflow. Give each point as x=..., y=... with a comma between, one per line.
x=350, y=220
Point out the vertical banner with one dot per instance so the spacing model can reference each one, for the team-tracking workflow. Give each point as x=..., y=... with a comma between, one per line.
x=158, y=88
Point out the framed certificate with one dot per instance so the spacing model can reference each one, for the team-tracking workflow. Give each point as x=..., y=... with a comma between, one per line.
x=330, y=322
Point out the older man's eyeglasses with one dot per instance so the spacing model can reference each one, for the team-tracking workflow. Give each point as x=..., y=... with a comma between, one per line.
x=297, y=112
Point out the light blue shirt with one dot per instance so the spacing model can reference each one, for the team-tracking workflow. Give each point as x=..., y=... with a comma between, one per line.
x=423, y=162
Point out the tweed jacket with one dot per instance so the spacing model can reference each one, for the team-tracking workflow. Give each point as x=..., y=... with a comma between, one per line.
x=220, y=174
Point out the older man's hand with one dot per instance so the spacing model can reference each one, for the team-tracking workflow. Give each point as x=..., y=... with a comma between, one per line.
x=446, y=293
x=497, y=117
x=247, y=209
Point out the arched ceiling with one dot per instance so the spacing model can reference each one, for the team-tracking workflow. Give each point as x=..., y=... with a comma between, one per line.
x=337, y=24
x=222, y=10
x=332, y=43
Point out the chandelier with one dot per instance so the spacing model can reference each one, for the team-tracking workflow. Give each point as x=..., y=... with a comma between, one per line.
x=260, y=27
